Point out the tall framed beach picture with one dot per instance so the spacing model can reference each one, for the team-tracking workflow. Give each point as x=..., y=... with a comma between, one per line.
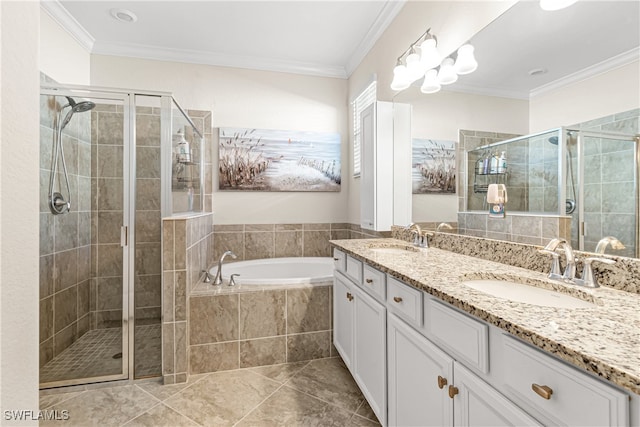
x=278, y=160
x=434, y=166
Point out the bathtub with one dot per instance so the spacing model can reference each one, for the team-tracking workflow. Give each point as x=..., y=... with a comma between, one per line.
x=278, y=271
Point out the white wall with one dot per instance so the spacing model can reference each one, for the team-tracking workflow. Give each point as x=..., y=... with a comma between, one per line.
x=253, y=99
x=19, y=220
x=453, y=23
x=61, y=57
x=441, y=116
x=608, y=93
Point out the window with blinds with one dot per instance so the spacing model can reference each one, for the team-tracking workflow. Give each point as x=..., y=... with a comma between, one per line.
x=362, y=101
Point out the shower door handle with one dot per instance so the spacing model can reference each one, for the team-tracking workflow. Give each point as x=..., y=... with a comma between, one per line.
x=124, y=236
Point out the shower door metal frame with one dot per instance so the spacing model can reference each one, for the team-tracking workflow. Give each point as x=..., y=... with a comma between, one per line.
x=580, y=135
x=127, y=230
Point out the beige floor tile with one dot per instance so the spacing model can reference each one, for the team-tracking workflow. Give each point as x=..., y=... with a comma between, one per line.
x=289, y=407
x=163, y=392
x=104, y=407
x=161, y=416
x=48, y=400
x=365, y=411
x=329, y=380
x=281, y=373
x=358, y=421
x=223, y=398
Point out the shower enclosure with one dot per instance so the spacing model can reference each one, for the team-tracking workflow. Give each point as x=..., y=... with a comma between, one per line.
x=105, y=177
x=591, y=176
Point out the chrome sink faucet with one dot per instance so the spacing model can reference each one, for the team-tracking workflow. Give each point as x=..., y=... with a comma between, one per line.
x=218, y=279
x=416, y=231
x=570, y=269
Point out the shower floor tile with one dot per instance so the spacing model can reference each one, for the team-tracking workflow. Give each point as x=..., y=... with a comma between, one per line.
x=93, y=355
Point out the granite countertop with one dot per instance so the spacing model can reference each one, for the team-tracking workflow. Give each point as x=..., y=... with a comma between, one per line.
x=603, y=339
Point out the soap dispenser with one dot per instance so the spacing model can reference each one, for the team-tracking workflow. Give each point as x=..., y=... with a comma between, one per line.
x=183, y=149
x=493, y=167
x=502, y=163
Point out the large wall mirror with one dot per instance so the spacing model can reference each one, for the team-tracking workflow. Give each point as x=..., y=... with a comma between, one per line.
x=563, y=88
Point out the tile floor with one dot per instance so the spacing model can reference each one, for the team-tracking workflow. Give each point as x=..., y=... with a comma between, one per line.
x=92, y=355
x=314, y=393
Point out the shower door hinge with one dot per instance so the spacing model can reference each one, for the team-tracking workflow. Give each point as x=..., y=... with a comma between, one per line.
x=124, y=236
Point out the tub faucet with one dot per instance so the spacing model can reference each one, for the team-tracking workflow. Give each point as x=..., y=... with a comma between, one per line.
x=207, y=276
x=218, y=279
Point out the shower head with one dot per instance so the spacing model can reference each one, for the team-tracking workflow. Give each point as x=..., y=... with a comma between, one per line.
x=76, y=107
x=553, y=140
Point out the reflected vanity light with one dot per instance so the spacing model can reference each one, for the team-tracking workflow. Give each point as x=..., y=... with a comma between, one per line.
x=555, y=4
x=430, y=65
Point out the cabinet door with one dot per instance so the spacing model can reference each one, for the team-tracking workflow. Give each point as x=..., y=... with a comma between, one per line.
x=369, y=355
x=343, y=296
x=478, y=404
x=367, y=167
x=419, y=376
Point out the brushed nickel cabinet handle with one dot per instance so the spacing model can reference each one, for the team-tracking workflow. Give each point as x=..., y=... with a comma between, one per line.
x=441, y=382
x=397, y=299
x=349, y=296
x=336, y=259
x=368, y=280
x=452, y=391
x=542, y=390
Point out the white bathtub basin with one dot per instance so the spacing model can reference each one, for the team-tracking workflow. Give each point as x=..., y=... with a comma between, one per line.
x=278, y=271
x=528, y=294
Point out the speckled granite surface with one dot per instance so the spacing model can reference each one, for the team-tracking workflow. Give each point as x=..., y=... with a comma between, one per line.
x=623, y=275
x=604, y=339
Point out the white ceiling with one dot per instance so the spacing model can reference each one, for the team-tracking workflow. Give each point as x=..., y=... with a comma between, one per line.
x=584, y=39
x=320, y=37
x=330, y=38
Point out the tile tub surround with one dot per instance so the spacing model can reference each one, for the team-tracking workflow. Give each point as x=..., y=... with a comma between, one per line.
x=257, y=241
x=602, y=340
x=187, y=242
x=624, y=275
x=240, y=327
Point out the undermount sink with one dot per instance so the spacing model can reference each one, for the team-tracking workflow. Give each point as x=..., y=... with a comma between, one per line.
x=395, y=249
x=518, y=292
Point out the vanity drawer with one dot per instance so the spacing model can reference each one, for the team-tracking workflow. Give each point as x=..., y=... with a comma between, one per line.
x=354, y=269
x=339, y=260
x=565, y=395
x=405, y=301
x=464, y=337
x=374, y=282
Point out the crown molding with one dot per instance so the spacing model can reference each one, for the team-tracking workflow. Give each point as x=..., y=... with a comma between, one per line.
x=617, y=61
x=218, y=59
x=388, y=13
x=61, y=15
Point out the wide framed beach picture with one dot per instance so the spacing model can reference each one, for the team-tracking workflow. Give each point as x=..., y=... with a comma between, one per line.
x=278, y=160
x=434, y=166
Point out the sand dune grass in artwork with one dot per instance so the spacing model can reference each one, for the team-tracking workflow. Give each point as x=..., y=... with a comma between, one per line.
x=434, y=167
x=274, y=160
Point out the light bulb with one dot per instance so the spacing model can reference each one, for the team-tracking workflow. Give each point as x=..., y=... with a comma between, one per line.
x=555, y=4
x=447, y=73
x=400, y=78
x=430, y=57
x=465, y=62
x=430, y=83
x=414, y=67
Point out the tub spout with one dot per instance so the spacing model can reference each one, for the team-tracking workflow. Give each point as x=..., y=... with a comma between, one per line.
x=218, y=279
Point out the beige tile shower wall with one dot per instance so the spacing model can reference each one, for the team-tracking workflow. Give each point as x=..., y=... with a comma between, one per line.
x=256, y=241
x=267, y=327
x=520, y=228
x=65, y=240
x=186, y=250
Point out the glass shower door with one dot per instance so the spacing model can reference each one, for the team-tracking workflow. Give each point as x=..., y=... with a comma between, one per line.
x=84, y=252
x=609, y=191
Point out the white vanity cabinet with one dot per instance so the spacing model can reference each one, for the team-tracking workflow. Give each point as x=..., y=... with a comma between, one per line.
x=420, y=361
x=360, y=335
x=385, y=169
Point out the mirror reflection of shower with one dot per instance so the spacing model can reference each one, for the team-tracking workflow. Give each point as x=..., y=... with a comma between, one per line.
x=57, y=202
x=570, y=203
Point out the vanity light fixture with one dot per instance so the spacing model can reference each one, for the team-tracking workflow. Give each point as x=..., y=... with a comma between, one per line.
x=429, y=64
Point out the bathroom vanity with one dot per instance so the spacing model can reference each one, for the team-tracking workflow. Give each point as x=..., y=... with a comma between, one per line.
x=426, y=349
